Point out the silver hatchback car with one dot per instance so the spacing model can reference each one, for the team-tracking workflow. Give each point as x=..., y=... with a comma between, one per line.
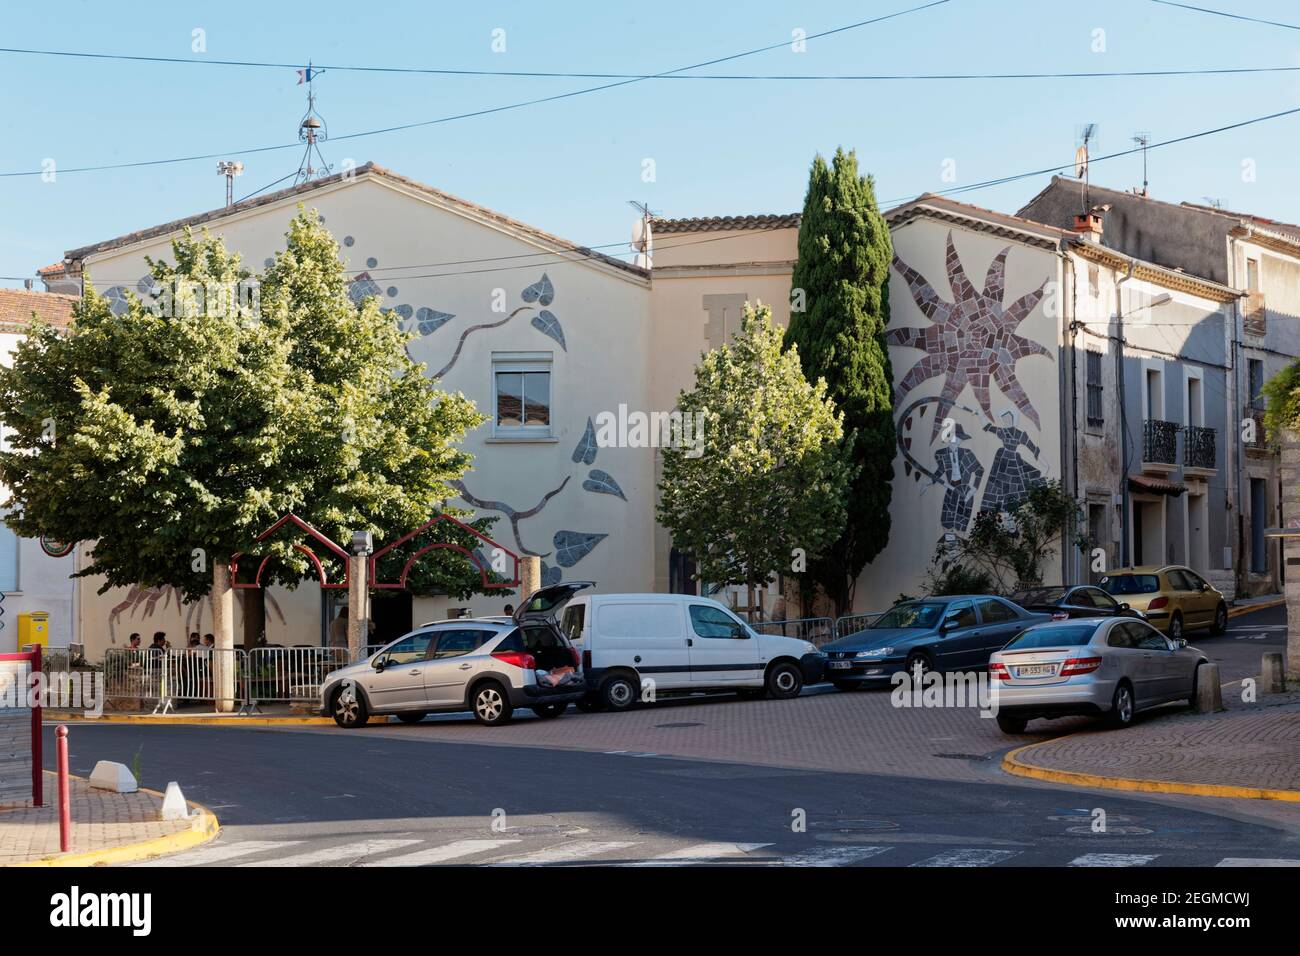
x=489, y=666
x=1107, y=666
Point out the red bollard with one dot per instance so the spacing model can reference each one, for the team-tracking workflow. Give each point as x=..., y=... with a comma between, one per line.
x=65, y=801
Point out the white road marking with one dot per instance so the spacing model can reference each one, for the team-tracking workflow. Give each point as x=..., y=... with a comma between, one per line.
x=701, y=853
x=1248, y=861
x=336, y=854
x=968, y=858
x=441, y=854
x=219, y=854
x=1113, y=859
x=833, y=855
x=565, y=853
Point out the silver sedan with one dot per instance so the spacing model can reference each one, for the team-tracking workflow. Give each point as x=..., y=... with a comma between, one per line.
x=1105, y=666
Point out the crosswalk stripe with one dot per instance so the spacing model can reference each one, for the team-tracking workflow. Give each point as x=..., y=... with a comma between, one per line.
x=565, y=853
x=441, y=854
x=336, y=854
x=1112, y=859
x=1248, y=861
x=219, y=854
x=968, y=858
x=833, y=855
x=701, y=853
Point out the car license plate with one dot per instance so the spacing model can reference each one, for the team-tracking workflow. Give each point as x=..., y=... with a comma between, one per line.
x=1036, y=670
x=841, y=665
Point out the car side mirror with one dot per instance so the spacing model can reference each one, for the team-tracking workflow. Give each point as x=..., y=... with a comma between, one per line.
x=949, y=624
x=1125, y=607
x=379, y=663
x=1180, y=643
x=739, y=634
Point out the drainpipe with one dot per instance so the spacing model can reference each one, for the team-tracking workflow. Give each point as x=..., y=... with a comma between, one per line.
x=1125, y=557
x=1073, y=326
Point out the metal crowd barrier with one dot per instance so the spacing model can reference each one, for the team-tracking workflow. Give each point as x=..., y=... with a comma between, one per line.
x=290, y=674
x=852, y=623
x=817, y=630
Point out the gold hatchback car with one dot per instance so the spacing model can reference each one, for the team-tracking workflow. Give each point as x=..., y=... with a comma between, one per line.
x=1175, y=599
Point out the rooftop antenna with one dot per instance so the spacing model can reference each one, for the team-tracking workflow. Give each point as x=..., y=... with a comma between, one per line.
x=312, y=130
x=230, y=169
x=1081, y=161
x=1213, y=202
x=641, y=238
x=1143, y=140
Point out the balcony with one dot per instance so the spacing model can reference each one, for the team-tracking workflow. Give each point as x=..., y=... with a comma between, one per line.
x=1160, y=444
x=1252, y=415
x=1199, y=448
x=1255, y=315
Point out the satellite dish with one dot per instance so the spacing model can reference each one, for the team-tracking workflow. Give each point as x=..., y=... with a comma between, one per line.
x=1081, y=161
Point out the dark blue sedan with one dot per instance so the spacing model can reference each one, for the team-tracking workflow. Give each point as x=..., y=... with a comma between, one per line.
x=952, y=633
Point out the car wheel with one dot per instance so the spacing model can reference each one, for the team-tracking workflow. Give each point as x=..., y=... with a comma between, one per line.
x=1122, y=706
x=845, y=686
x=1176, y=626
x=548, y=711
x=618, y=692
x=918, y=660
x=412, y=716
x=1220, y=620
x=784, y=681
x=490, y=704
x=348, y=707
x=1012, y=725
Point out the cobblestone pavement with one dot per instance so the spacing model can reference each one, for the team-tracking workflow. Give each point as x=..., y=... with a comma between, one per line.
x=100, y=820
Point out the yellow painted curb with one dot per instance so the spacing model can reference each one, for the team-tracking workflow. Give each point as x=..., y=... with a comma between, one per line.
x=1238, y=611
x=203, y=829
x=168, y=720
x=1012, y=764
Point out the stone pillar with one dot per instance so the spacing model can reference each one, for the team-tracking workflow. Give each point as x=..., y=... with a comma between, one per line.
x=358, y=607
x=223, y=632
x=1271, y=674
x=1209, y=692
x=1290, y=474
x=530, y=576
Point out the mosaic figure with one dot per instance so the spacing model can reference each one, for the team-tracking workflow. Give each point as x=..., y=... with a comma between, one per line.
x=961, y=473
x=1010, y=477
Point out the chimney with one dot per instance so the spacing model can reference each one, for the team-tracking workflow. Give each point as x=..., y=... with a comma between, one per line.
x=27, y=284
x=1089, y=224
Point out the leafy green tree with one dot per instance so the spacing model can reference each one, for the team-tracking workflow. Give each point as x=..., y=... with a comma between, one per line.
x=174, y=433
x=841, y=279
x=766, y=484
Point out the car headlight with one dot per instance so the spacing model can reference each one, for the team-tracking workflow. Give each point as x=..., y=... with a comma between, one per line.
x=875, y=652
x=809, y=647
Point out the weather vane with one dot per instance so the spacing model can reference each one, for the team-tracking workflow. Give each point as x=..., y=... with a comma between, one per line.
x=311, y=131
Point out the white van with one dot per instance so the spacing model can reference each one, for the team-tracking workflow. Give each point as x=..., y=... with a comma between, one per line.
x=682, y=643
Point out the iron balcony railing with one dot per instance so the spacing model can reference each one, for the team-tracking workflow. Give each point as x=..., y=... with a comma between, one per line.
x=1198, y=447
x=1252, y=418
x=1160, y=442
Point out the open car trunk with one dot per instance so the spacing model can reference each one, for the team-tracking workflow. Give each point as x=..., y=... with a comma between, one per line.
x=548, y=648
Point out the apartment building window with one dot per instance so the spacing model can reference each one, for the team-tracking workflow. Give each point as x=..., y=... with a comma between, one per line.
x=1255, y=382
x=521, y=397
x=1095, y=414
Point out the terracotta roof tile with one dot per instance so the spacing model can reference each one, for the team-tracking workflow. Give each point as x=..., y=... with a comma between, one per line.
x=721, y=223
x=17, y=306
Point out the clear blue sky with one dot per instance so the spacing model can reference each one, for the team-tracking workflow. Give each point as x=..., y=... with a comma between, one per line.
x=570, y=166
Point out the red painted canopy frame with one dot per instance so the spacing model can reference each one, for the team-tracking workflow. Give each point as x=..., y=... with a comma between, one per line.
x=372, y=565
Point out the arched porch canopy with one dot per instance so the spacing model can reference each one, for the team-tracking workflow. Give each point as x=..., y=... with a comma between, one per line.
x=473, y=556
x=324, y=541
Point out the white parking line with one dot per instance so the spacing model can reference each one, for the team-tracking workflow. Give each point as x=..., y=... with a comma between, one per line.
x=219, y=854
x=565, y=853
x=968, y=858
x=1113, y=859
x=1247, y=861
x=701, y=853
x=336, y=854
x=834, y=855
x=441, y=854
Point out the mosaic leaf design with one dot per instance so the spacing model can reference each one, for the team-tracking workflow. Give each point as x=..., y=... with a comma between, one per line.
x=145, y=285
x=117, y=302
x=586, y=450
x=550, y=576
x=362, y=287
x=548, y=324
x=429, y=320
x=541, y=291
x=572, y=546
x=603, y=483
x=405, y=311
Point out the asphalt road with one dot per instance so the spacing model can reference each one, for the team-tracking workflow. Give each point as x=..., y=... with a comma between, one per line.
x=312, y=797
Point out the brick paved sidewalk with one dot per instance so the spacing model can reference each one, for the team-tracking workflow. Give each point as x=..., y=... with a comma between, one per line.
x=101, y=820
x=1251, y=745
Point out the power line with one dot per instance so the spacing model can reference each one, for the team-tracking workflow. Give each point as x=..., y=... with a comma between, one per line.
x=488, y=110
x=955, y=190
x=1230, y=16
x=771, y=77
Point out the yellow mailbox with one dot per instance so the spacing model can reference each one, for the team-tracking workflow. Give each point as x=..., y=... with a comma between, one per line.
x=34, y=628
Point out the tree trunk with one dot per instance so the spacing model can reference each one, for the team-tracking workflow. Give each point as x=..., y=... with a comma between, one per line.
x=223, y=629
